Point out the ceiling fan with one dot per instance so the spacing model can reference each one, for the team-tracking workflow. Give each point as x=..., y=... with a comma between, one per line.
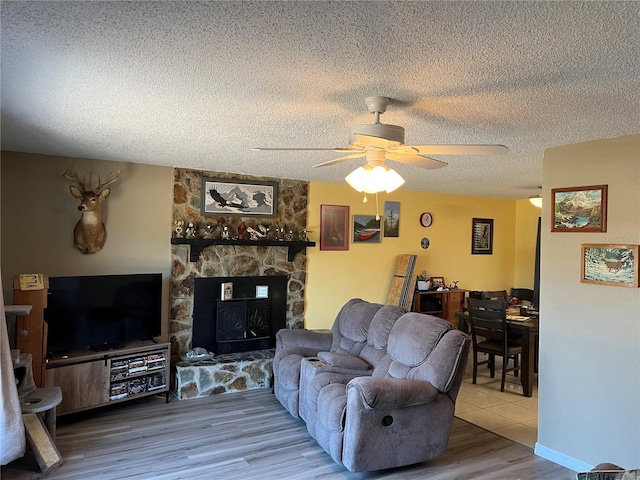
x=378, y=142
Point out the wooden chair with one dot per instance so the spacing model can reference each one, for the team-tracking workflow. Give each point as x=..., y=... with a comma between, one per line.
x=523, y=294
x=490, y=335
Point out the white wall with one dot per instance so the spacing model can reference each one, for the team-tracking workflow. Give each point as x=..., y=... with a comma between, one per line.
x=39, y=213
x=589, y=390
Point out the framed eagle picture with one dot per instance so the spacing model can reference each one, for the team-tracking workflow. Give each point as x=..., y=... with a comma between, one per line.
x=245, y=198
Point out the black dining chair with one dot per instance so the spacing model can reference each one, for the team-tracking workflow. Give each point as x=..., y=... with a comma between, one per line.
x=495, y=295
x=522, y=294
x=490, y=335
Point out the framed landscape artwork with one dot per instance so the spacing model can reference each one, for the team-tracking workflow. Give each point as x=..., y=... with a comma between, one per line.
x=334, y=227
x=391, y=219
x=579, y=209
x=437, y=282
x=482, y=236
x=239, y=198
x=366, y=229
x=609, y=264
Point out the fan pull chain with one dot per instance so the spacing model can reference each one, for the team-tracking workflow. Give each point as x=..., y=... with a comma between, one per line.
x=377, y=214
x=364, y=200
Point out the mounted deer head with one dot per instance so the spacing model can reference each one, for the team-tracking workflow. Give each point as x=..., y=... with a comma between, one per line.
x=89, y=233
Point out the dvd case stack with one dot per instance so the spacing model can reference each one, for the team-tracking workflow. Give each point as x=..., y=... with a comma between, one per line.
x=129, y=375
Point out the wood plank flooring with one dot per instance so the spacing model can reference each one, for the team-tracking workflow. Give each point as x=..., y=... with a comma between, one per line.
x=249, y=435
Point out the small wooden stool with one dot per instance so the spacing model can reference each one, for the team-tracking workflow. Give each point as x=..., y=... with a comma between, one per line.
x=41, y=439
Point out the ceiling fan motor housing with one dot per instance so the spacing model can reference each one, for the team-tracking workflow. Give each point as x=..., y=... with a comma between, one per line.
x=392, y=133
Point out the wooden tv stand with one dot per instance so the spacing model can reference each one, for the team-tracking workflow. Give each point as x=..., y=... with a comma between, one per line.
x=90, y=379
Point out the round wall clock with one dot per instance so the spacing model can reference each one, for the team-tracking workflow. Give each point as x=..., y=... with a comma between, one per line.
x=426, y=219
x=424, y=243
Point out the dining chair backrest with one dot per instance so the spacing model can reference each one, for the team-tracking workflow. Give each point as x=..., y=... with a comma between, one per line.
x=496, y=295
x=488, y=319
x=475, y=294
x=521, y=294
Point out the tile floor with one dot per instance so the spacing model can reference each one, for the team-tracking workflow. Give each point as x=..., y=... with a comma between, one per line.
x=508, y=413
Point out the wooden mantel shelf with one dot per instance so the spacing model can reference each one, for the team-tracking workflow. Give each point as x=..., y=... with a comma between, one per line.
x=199, y=244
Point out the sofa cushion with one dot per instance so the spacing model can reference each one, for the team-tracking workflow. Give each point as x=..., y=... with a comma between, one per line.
x=351, y=326
x=344, y=360
x=381, y=325
x=404, y=346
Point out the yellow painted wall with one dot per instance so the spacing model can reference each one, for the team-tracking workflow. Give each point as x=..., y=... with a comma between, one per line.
x=365, y=270
x=525, y=248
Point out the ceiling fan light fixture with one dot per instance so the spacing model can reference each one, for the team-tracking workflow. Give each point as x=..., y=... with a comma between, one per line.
x=369, y=179
x=536, y=200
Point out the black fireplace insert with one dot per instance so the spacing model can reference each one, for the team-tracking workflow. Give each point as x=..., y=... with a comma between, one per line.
x=244, y=323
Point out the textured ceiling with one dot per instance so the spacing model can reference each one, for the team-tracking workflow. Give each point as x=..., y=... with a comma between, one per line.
x=198, y=84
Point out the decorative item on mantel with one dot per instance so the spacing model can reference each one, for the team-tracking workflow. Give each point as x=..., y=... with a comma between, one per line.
x=288, y=237
x=207, y=230
x=190, y=230
x=178, y=228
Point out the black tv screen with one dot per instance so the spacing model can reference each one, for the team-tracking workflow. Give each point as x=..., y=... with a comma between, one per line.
x=102, y=311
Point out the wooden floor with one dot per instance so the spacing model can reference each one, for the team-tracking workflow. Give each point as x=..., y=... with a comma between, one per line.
x=249, y=435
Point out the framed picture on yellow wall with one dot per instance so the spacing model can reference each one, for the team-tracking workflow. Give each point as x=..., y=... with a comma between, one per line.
x=482, y=236
x=334, y=227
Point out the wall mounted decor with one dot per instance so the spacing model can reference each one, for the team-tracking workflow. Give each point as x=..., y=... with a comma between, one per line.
x=482, y=236
x=334, y=227
x=391, y=219
x=239, y=197
x=426, y=219
x=579, y=209
x=609, y=264
x=366, y=229
x=89, y=233
x=425, y=242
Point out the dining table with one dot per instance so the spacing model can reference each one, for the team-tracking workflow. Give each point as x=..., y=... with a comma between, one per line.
x=528, y=329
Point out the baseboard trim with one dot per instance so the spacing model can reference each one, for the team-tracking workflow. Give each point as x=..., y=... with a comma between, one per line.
x=561, y=459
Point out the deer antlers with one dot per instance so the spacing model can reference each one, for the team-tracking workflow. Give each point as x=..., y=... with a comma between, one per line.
x=74, y=178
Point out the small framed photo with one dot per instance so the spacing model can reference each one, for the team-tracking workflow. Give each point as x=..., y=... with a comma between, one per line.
x=334, y=227
x=482, y=236
x=437, y=282
x=609, y=264
x=239, y=197
x=579, y=209
x=366, y=229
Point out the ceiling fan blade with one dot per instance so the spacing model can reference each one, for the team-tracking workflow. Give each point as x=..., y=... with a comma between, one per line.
x=376, y=142
x=337, y=149
x=341, y=159
x=417, y=160
x=460, y=149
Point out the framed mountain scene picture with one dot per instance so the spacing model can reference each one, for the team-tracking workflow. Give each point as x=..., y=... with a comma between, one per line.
x=579, y=209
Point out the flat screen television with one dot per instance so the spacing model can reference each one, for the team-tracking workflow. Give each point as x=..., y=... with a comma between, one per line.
x=102, y=311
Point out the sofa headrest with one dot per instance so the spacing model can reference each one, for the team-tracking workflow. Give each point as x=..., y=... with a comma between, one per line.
x=381, y=325
x=353, y=320
x=414, y=336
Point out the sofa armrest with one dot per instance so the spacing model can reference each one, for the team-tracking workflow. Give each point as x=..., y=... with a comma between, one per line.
x=344, y=360
x=296, y=338
x=376, y=392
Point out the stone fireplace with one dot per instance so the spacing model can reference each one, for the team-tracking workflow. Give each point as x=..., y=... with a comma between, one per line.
x=244, y=369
